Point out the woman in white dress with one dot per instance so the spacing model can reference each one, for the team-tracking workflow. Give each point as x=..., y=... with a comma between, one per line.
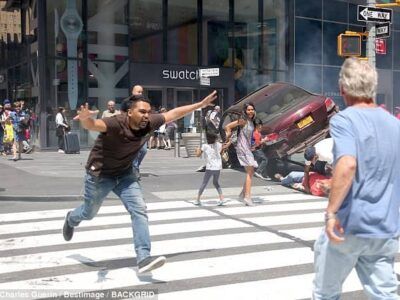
x=245, y=128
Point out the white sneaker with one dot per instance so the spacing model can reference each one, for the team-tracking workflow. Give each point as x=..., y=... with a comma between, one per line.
x=221, y=202
x=60, y=151
x=258, y=175
x=197, y=202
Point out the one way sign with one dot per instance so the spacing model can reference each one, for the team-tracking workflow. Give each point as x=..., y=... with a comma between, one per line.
x=382, y=30
x=372, y=14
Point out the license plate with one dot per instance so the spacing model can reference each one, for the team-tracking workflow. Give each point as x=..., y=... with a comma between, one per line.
x=304, y=122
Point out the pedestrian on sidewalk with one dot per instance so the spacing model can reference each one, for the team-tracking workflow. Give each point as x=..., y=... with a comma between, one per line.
x=258, y=152
x=137, y=90
x=61, y=128
x=109, y=168
x=362, y=217
x=20, y=122
x=110, y=111
x=244, y=127
x=212, y=151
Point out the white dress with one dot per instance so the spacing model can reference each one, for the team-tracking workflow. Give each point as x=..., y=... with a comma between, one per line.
x=243, y=147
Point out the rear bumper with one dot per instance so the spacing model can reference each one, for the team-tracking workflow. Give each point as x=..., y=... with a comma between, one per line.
x=312, y=140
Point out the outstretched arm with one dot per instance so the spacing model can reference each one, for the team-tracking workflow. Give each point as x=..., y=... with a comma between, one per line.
x=228, y=129
x=84, y=115
x=181, y=111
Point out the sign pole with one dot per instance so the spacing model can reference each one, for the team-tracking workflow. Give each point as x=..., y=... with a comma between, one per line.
x=371, y=37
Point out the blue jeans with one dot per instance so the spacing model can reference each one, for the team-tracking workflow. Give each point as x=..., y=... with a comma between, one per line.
x=127, y=188
x=293, y=177
x=139, y=157
x=372, y=258
x=262, y=161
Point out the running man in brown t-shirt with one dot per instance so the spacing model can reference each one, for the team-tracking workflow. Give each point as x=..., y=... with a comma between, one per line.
x=109, y=168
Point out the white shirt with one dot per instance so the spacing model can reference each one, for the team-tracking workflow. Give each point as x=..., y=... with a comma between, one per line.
x=324, y=150
x=60, y=120
x=212, y=154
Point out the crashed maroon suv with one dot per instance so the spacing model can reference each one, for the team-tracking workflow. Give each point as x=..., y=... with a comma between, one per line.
x=292, y=118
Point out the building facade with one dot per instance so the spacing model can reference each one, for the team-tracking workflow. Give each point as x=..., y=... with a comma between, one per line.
x=76, y=51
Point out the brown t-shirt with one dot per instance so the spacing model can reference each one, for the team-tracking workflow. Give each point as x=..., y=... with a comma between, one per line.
x=115, y=149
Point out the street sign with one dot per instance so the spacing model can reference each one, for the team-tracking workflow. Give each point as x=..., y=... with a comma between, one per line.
x=380, y=46
x=372, y=14
x=382, y=30
x=205, y=81
x=212, y=72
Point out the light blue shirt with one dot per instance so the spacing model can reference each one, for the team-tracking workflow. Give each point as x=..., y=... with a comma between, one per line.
x=372, y=136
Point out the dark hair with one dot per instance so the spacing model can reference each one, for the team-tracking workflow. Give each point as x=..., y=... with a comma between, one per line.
x=129, y=102
x=309, y=153
x=257, y=122
x=246, y=105
x=211, y=138
x=60, y=109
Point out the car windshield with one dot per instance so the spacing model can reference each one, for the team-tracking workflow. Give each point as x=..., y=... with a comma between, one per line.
x=277, y=103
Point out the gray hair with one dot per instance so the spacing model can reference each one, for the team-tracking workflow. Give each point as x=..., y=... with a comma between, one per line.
x=358, y=78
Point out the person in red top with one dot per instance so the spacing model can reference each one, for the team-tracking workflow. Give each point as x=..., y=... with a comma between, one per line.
x=258, y=153
x=397, y=112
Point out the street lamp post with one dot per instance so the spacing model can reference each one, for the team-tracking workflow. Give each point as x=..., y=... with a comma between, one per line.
x=371, y=37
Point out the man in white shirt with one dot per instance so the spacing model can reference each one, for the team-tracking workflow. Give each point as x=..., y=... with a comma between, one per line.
x=111, y=111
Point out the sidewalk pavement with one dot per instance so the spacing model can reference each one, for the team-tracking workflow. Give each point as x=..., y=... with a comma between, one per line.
x=42, y=176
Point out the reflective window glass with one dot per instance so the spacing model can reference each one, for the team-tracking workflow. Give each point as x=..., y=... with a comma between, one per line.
x=182, y=32
x=309, y=8
x=396, y=50
x=146, y=23
x=218, y=35
x=396, y=91
x=309, y=78
x=331, y=31
x=330, y=81
x=335, y=11
x=308, y=41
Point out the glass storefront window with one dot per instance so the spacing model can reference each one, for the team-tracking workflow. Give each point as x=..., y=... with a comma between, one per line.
x=146, y=24
x=218, y=35
x=331, y=31
x=57, y=26
x=396, y=49
x=308, y=39
x=335, y=11
x=309, y=77
x=182, y=32
x=309, y=8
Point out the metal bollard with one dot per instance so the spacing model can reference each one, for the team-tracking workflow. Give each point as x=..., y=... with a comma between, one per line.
x=177, y=151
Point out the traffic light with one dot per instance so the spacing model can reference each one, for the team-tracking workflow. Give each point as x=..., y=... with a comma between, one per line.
x=349, y=44
x=387, y=3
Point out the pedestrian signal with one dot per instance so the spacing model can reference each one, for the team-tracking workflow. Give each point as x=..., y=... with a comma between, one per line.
x=349, y=44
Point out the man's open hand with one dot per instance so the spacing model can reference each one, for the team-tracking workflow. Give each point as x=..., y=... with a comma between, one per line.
x=207, y=101
x=85, y=113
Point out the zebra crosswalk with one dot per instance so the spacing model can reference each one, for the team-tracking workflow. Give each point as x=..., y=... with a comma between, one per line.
x=228, y=252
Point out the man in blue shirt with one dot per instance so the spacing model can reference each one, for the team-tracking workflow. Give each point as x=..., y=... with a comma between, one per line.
x=362, y=217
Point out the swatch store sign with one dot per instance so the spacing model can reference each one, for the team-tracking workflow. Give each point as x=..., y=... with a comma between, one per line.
x=180, y=74
x=176, y=76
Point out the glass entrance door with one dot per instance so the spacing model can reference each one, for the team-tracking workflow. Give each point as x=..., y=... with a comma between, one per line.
x=184, y=97
x=155, y=96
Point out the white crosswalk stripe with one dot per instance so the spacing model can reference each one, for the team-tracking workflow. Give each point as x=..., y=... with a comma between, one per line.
x=212, y=252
